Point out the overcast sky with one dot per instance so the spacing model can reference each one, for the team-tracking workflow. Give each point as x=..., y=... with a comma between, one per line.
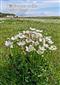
x=31, y=7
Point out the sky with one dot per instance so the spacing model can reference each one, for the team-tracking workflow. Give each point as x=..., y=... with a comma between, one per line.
x=31, y=7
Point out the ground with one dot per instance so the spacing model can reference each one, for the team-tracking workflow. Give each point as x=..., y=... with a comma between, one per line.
x=10, y=27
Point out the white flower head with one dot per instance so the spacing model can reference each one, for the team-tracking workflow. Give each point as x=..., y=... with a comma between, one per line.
x=27, y=32
x=8, y=43
x=46, y=45
x=49, y=40
x=52, y=47
x=11, y=46
x=39, y=30
x=32, y=40
x=28, y=40
x=36, y=43
x=32, y=29
x=40, y=39
x=24, y=32
x=41, y=50
x=22, y=36
x=29, y=48
x=38, y=35
x=21, y=43
x=13, y=38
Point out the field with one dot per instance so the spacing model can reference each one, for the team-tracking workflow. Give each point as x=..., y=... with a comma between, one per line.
x=10, y=27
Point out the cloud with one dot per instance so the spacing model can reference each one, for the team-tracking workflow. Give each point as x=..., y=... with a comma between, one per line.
x=30, y=7
x=48, y=3
x=18, y=7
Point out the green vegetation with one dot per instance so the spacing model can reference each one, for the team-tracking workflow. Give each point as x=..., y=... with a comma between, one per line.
x=17, y=68
x=44, y=17
x=5, y=14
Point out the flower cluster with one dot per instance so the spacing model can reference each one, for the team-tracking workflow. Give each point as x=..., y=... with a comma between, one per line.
x=30, y=40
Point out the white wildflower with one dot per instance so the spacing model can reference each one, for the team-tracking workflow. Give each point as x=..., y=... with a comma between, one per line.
x=39, y=30
x=50, y=42
x=41, y=50
x=28, y=40
x=8, y=43
x=48, y=39
x=33, y=36
x=11, y=46
x=15, y=37
x=40, y=39
x=53, y=47
x=22, y=43
x=32, y=29
x=36, y=43
x=33, y=32
x=24, y=32
x=38, y=35
x=46, y=45
x=33, y=42
x=12, y=38
x=21, y=36
x=27, y=32
x=27, y=49
x=31, y=48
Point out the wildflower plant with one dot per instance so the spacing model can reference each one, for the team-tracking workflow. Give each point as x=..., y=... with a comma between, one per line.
x=32, y=40
x=27, y=64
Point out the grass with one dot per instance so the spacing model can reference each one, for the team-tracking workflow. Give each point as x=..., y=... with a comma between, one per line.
x=11, y=27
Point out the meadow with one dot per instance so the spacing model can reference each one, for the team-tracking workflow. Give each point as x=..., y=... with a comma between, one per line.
x=10, y=59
